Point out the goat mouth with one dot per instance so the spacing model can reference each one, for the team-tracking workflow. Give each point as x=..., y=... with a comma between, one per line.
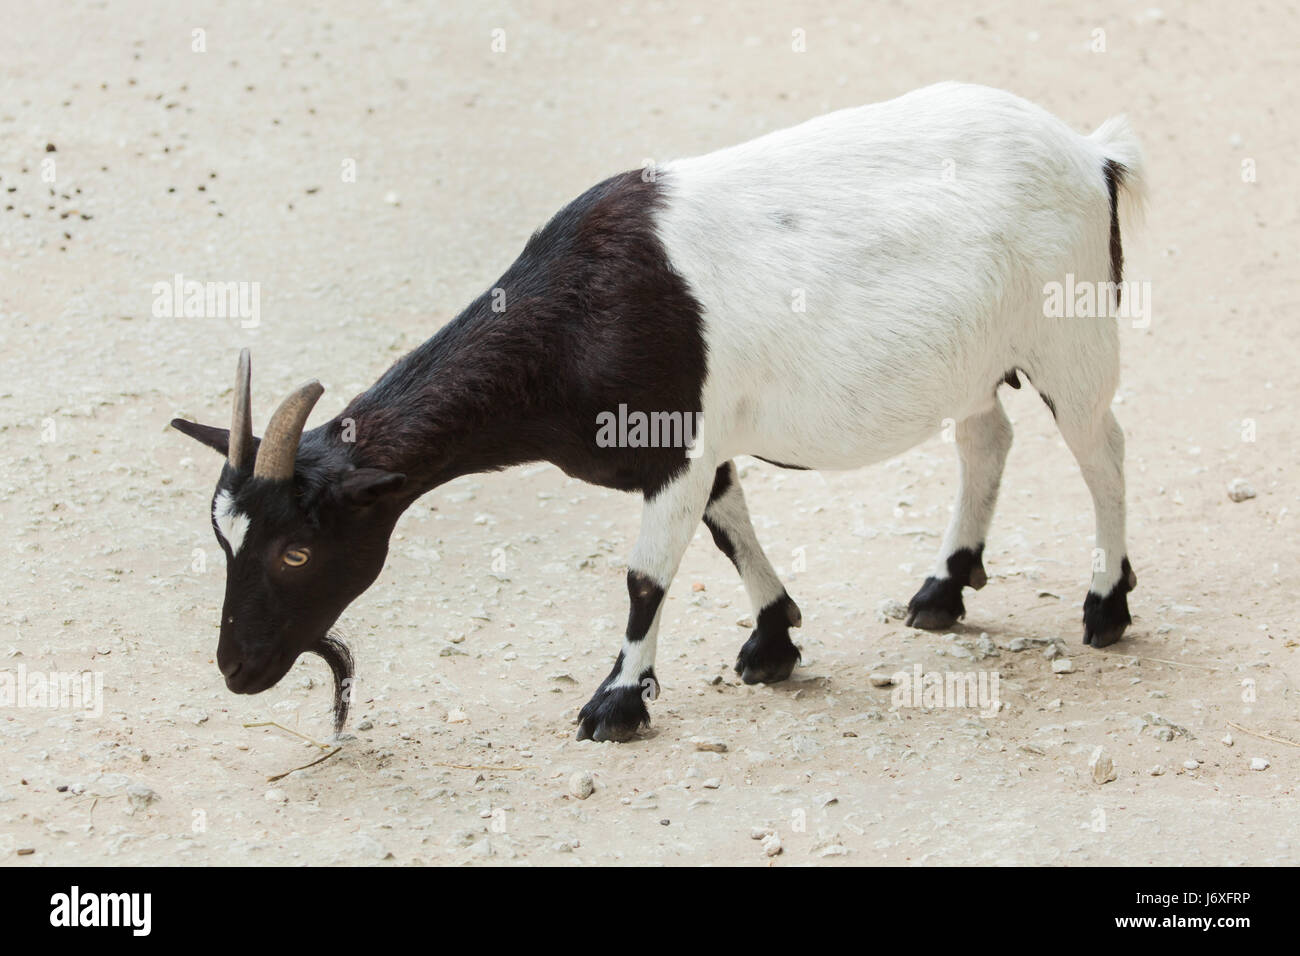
x=254, y=678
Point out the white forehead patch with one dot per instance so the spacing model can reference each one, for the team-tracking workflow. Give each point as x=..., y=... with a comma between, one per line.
x=232, y=525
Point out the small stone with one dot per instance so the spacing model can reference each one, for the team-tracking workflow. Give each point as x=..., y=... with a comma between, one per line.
x=771, y=845
x=1258, y=763
x=890, y=610
x=758, y=833
x=581, y=785
x=276, y=796
x=709, y=745
x=1062, y=665
x=390, y=197
x=1227, y=740
x=713, y=783
x=1191, y=764
x=1157, y=771
x=366, y=724
x=881, y=680
x=1101, y=766
x=140, y=797
x=1239, y=489
x=457, y=716
x=835, y=849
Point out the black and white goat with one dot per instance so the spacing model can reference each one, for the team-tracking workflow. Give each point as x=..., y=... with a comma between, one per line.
x=822, y=297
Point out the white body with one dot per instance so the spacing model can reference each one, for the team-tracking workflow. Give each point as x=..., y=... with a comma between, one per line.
x=871, y=273
x=917, y=235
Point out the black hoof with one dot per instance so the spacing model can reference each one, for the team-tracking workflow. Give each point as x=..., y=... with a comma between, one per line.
x=616, y=713
x=769, y=655
x=932, y=618
x=938, y=605
x=1105, y=618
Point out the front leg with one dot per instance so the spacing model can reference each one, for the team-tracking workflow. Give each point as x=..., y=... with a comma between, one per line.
x=618, y=708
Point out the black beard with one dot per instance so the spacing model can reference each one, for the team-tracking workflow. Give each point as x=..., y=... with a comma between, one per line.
x=339, y=658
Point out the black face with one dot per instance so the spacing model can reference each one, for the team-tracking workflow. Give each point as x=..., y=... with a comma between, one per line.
x=297, y=553
x=308, y=549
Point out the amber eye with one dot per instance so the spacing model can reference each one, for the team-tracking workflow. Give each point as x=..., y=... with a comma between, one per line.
x=296, y=557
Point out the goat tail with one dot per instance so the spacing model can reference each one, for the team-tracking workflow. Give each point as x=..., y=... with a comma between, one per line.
x=1119, y=146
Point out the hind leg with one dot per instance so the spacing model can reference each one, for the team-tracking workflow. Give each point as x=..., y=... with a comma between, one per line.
x=769, y=655
x=1098, y=445
x=983, y=441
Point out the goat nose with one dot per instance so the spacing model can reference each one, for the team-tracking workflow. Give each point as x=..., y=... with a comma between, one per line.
x=229, y=661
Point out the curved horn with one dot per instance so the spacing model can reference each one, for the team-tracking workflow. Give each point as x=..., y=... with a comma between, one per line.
x=241, y=425
x=279, y=448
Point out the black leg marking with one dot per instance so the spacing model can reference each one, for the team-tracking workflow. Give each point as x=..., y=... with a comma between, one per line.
x=769, y=655
x=721, y=485
x=645, y=596
x=938, y=605
x=617, y=711
x=1104, y=618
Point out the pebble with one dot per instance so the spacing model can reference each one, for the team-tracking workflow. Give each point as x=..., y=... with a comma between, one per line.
x=1062, y=665
x=881, y=680
x=1258, y=763
x=890, y=610
x=709, y=745
x=771, y=845
x=140, y=797
x=835, y=849
x=1239, y=489
x=1157, y=771
x=713, y=783
x=1165, y=729
x=1018, y=644
x=1227, y=740
x=581, y=785
x=1191, y=764
x=457, y=716
x=276, y=796
x=1101, y=766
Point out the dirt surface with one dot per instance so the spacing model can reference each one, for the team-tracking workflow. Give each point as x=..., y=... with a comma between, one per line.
x=503, y=601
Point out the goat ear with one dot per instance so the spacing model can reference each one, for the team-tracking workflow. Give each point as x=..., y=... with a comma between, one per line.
x=218, y=439
x=365, y=486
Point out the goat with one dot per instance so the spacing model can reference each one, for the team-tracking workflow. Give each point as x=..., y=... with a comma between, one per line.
x=822, y=297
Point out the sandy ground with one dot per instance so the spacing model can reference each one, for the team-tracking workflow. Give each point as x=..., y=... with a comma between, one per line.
x=502, y=603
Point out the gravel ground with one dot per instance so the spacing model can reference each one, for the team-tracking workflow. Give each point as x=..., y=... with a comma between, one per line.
x=127, y=157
